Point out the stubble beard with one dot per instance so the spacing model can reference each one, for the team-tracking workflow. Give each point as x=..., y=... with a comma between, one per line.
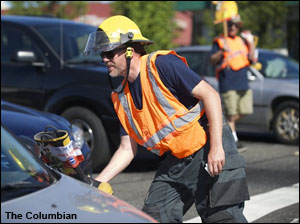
x=116, y=72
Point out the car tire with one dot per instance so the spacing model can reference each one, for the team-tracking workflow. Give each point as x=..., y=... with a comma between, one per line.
x=94, y=134
x=286, y=122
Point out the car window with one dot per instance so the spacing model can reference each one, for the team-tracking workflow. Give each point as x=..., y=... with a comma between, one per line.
x=68, y=41
x=21, y=172
x=275, y=65
x=199, y=62
x=13, y=40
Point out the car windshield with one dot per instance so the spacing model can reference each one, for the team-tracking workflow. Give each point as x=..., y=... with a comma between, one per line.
x=275, y=65
x=21, y=172
x=198, y=61
x=68, y=41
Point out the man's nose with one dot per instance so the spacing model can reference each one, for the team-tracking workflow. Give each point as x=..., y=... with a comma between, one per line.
x=105, y=59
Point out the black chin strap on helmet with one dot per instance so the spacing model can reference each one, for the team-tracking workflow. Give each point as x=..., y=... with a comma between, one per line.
x=128, y=55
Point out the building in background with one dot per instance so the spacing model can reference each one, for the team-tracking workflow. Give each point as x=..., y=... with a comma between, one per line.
x=195, y=8
x=96, y=13
x=184, y=21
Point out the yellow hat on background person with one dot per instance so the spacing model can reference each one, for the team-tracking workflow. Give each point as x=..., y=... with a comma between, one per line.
x=114, y=32
x=226, y=11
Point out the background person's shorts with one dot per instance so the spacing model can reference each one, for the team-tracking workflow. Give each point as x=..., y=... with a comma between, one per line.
x=238, y=102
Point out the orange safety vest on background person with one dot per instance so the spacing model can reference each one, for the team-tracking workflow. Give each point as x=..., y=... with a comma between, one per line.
x=163, y=123
x=236, y=57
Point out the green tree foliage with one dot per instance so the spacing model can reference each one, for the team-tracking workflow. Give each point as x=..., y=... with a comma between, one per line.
x=154, y=18
x=207, y=19
x=263, y=18
x=266, y=20
x=60, y=9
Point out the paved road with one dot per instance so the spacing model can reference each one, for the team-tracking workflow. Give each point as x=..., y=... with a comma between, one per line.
x=273, y=174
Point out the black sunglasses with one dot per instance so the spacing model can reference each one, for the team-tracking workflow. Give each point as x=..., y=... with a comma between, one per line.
x=111, y=54
x=233, y=24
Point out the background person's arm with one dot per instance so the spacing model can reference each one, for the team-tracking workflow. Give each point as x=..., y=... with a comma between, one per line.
x=216, y=57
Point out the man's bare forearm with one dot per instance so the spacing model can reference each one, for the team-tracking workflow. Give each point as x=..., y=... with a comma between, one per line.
x=120, y=160
x=216, y=57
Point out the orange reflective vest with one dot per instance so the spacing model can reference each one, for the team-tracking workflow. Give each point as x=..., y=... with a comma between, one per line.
x=236, y=57
x=163, y=123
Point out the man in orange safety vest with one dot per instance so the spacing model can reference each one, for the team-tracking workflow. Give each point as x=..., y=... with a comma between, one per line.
x=232, y=55
x=165, y=107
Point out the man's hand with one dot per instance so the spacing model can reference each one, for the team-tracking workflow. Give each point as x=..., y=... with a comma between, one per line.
x=247, y=35
x=215, y=160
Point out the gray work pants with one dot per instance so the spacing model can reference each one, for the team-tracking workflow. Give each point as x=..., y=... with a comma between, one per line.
x=179, y=183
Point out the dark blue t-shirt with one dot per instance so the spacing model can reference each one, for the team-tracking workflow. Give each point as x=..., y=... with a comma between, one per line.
x=175, y=75
x=230, y=79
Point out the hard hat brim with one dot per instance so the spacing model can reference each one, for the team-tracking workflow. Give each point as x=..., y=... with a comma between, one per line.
x=106, y=41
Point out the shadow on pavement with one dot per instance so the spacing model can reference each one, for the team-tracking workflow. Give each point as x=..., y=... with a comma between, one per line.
x=268, y=138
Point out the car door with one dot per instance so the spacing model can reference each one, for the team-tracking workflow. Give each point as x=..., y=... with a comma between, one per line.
x=257, y=121
x=275, y=73
x=21, y=77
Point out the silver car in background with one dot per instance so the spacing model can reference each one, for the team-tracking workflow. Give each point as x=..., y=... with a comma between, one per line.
x=275, y=85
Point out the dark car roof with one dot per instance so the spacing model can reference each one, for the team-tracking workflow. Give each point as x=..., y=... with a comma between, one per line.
x=36, y=21
x=208, y=48
x=195, y=48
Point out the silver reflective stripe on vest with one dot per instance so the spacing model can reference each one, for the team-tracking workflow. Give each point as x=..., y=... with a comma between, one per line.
x=179, y=122
x=159, y=96
x=167, y=129
x=159, y=135
x=125, y=105
x=155, y=151
x=190, y=116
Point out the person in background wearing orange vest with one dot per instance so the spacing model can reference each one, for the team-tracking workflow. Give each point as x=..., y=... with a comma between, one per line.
x=165, y=107
x=232, y=56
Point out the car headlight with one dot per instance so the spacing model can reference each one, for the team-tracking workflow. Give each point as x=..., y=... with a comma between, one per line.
x=77, y=134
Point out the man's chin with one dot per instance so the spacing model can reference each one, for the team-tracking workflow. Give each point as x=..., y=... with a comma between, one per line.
x=113, y=75
x=232, y=33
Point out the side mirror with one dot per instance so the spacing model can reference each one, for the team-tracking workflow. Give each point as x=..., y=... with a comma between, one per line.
x=28, y=57
x=251, y=77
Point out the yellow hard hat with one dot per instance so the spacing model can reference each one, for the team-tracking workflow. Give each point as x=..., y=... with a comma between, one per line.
x=226, y=10
x=113, y=32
